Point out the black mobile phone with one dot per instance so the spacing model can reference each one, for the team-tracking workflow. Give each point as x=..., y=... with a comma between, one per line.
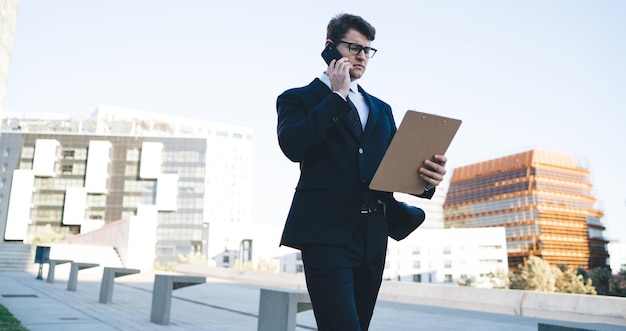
x=331, y=53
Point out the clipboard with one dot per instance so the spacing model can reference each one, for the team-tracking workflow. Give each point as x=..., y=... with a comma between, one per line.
x=419, y=137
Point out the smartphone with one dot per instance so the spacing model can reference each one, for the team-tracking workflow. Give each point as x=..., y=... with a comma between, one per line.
x=331, y=53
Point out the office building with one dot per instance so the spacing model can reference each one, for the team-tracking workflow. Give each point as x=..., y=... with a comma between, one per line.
x=63, y=176
x=449, y=256
x=617, y=251
x=543, y=199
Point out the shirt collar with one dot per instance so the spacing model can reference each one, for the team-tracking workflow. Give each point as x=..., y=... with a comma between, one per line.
x=354, y=86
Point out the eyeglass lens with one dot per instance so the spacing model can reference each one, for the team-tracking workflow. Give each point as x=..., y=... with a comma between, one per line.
x=356, y=49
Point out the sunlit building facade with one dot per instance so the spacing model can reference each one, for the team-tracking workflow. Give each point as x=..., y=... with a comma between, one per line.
x=63, y=176
x=543, y=199
x=449, y=256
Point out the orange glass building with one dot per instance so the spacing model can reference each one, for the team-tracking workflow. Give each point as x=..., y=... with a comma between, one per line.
x=543, y=199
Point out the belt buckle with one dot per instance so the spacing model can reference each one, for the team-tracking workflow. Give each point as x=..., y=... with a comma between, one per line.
x=365, y=209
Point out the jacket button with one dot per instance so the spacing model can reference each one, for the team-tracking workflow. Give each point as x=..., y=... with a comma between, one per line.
x=360, y=150
x=335, y=119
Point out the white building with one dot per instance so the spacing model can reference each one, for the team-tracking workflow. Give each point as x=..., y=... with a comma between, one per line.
x=617, y=253
x=228, y=197
x=73, y=175
x=251, y=246
x=448, y=256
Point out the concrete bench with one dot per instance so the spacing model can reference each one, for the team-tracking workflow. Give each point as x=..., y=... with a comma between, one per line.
x=52, y=264
x=162, y=294
x=278, y=309
x=108, y=276
x=72, y=283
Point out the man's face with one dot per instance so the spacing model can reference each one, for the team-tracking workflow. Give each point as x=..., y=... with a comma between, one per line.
x=358, y=61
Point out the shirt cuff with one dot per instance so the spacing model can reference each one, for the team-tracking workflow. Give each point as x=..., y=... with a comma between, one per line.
x=339, y=94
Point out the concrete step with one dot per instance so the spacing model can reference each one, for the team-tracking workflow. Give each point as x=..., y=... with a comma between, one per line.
x=16, y=256
x=21, y=257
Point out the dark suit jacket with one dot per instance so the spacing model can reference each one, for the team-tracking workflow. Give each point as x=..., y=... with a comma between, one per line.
x=336, y=166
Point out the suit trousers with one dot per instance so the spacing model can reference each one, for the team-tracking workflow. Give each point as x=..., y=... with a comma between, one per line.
x=343, y=281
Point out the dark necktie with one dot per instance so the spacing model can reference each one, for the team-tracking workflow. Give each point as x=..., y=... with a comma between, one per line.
x=354, y=119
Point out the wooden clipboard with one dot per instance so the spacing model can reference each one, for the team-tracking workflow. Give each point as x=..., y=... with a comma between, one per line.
x=419, y=137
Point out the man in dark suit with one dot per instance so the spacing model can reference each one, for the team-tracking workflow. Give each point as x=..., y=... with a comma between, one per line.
x=338, y=133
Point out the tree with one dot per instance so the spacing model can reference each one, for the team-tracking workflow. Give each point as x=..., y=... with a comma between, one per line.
x=605, y=282
x=537, y=275
x=617, y=287
x=568, y=281
x=601, y=278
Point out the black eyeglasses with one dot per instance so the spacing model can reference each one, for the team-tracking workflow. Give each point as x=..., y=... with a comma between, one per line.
x=356, y=49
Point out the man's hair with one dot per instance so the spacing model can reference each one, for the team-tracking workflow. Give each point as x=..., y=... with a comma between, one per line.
x=340, y=24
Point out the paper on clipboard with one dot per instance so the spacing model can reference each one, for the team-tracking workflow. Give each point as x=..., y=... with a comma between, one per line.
x=419, y=137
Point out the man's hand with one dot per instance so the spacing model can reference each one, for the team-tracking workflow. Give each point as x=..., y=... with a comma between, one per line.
x=339, y=73
x=433, y=171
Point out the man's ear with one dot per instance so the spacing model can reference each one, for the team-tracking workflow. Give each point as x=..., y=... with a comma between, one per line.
x=328, y=41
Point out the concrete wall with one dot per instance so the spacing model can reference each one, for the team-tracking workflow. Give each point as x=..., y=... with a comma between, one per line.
x=572, y=307
x=562, y=306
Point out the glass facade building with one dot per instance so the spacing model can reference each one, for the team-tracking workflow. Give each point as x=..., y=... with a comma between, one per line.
x=62, y=176
x=543, y=199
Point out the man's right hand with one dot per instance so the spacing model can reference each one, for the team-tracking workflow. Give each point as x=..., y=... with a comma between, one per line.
x=339, y=73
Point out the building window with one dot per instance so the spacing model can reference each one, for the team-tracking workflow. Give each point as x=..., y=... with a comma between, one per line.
x=417, y=278
x=68, y=154
x=447, y=263
x=299, y=268
x=416, y=251
x=28, y=152
x=225, y=259
x=246, y=250
x=417, y=264
x=299, y=256
x=448, y=278
x=67, y=169
x=132, y=155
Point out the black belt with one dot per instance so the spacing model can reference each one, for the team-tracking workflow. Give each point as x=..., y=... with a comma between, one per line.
x=372, y=208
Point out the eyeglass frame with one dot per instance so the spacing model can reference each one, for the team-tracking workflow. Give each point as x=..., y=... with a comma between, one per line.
x=365, y=49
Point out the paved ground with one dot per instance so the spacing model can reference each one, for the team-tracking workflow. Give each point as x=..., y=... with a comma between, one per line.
x=218, y=305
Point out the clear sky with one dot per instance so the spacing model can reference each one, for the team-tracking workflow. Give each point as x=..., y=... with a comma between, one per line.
x=520, y=74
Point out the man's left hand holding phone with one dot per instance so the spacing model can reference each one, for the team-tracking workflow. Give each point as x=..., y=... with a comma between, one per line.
x=338, y=72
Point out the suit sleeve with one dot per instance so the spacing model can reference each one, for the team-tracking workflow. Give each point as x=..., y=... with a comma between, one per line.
x=426, y=194
x=303, y=124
